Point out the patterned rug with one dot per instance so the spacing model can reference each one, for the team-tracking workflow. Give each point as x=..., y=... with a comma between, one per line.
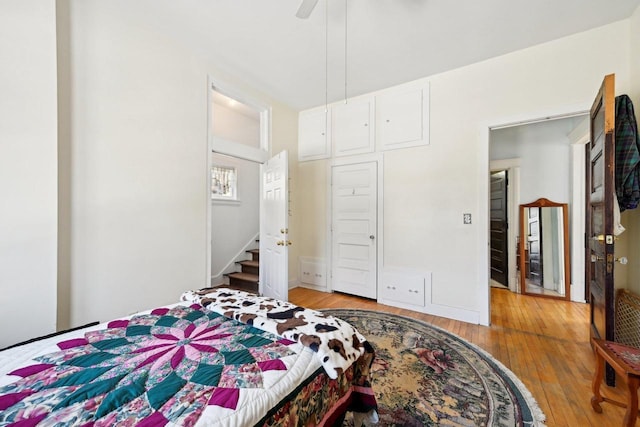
x=425, y=376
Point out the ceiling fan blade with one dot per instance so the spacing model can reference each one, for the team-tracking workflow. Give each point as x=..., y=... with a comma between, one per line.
x=306, y=8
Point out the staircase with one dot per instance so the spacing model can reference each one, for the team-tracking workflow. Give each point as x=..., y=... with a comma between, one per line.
x=247, y=278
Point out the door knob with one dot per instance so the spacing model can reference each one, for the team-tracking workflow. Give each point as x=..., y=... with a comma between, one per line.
x=622, y=260
x=372, y=237
x=280, y=243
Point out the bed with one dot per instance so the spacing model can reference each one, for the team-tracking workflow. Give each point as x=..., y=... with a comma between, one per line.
x=219, y=357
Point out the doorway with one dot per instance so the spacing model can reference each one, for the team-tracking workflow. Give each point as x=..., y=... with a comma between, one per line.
x=541, y=162
x=239, y=129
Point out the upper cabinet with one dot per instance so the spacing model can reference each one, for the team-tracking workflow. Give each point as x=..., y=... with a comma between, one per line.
x=402, y=118
x=386, y=120
x=313, y=130
x=352, y=130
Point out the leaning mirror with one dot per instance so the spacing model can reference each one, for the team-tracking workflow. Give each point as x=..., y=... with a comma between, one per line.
x=543, y=249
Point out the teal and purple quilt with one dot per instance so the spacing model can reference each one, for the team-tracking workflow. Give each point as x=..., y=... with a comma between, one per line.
x=180, y=365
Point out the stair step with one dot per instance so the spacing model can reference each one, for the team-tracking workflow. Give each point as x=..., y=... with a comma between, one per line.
x=250, y=263
x=243, y=281
x=245, y=277
x=255, y=254
x=250, y=266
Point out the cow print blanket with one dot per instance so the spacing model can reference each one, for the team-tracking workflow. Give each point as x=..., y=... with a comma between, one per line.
x=336, y=343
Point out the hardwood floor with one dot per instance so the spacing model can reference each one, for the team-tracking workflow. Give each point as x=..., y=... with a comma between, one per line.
x=545, y=342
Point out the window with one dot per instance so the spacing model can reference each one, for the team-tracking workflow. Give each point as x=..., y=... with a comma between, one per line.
x=224, y=183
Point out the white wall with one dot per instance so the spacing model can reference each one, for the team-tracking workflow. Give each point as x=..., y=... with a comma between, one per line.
x=631, y=219
x=28, y=170
x=234, y=223
x=233, y=126
x=138, y=150
x=427, y=189
x=544, y=150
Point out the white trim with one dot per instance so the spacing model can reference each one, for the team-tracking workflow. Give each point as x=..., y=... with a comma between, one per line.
x=241, y=151
x=377, y=158
x=483, y=244
x=503, y=164
x=234, y=202
x=353, y=160
x=209, y=162
x=448, y=312
x=515, y=121
x=579, y=137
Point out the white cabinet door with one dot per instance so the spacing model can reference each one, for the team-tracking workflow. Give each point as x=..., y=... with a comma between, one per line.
x=352, y=130
x=403, y=286
x=313, y=130
x=402, y=119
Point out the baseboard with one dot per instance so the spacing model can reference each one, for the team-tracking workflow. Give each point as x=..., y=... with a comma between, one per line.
x=309, y=286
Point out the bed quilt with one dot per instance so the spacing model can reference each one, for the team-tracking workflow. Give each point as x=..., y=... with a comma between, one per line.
x=180, y=365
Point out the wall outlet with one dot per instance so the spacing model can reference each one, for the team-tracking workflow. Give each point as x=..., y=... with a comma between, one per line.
x=466, y=218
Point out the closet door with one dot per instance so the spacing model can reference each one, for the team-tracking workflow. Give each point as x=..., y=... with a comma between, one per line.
x=354, y=227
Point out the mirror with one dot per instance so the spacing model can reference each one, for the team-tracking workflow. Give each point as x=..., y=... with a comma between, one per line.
x=543, y=252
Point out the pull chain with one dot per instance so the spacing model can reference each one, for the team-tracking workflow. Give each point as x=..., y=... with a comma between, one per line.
x=345, y=51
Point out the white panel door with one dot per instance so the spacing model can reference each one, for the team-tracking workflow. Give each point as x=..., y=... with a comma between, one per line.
x=274, y=241
x=354, y=225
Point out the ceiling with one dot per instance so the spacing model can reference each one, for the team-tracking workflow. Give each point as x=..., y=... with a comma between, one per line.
x=389, y=42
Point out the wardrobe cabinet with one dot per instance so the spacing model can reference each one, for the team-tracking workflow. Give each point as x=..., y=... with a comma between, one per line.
x=390, y=119
x=313, y=134
x=352, y=130
x=402, y=119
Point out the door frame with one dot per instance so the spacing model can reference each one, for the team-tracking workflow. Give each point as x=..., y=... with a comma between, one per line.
x=353, y=160
x=484, y=137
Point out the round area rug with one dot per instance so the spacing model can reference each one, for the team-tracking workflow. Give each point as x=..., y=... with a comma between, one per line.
x=423, y=376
